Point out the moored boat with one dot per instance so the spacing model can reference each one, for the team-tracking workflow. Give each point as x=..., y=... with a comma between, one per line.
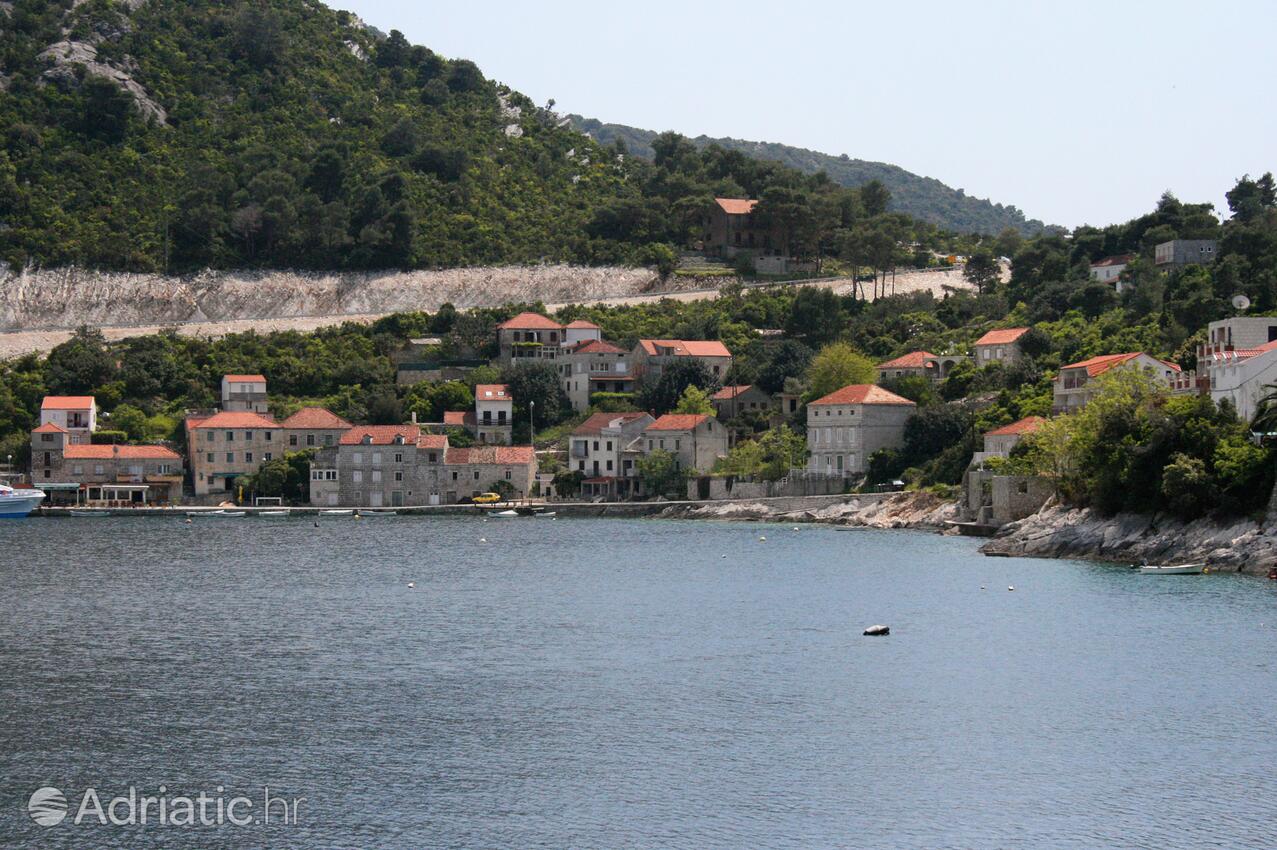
x=503, y=514
x=90, y=514
x=337, y=513
x=16, y=504
x=1172, y=569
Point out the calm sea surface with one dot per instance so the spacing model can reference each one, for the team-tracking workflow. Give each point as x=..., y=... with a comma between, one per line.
x=620, y=684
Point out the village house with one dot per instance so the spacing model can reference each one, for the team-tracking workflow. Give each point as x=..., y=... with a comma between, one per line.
x=1075, y=385
x=75, y=414
x=575, y=333
x=474, y=470
x=848, y=425
x=594, y=366
x=244, y=393
x=990, y=498
x=652, y=355
x=1178, y=253
x=313, y=427
x=697, y=440
x=1237, y=362
x=602, y=449
x=731, y=401
x=1109, y=270
x=731, y=227
x=82, y=473
x=494, y=414
x=1000, y=441
x=999, y=346
x=529, y=337
x=229, y=444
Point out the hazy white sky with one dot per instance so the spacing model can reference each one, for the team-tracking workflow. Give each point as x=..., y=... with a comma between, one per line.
x=1077, y=112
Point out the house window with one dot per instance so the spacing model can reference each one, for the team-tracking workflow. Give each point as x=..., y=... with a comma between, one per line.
x=376, y=476
x=580, y=465
x=476, y=475
x=164, y=469
x=398, y=457
x=609, y=468
x=267, y=456
x=248, y=436
x=399, y=476
x=210, y=457
x=328, y=439
x=330, y=475
x=376, y=458
x=357, y=476
x=269, y=436
x=77, y=470
x=230, y=457
x=609, y=445
x=230, y=436
x=507, y=475
x=46, y=438
x=596, y=445
x=248, y=457
x=357, y=458
x=98, y=470
x=433, y=457
x=310, y=439
x=292, y=439
x=454, y=475
x=678, y=444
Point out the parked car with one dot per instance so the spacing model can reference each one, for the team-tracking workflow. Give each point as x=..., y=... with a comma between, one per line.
x=487, y=498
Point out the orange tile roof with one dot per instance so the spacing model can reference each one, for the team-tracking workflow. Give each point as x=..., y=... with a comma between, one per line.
x=862, y=394
x=67, y=402
x=315, y=419
x=584, y=325
x=599, y=421
x=912, y=360
x=736, y=206
x=236, y=419
x=432, y=441
x=90, y=452
x=685, y=347
x=1001, y=336
x=245, y=379
x=50, y=428
x=492, y=392
x=1027, y=425
x=1099, y=365
x=459, y=418
x=382, y=435
x=529, y=321
x=729, y=393
x=596, y=346
x=491, y=455
x=678, y=422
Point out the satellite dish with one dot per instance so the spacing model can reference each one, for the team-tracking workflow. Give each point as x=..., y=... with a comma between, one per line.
x=1241, y=303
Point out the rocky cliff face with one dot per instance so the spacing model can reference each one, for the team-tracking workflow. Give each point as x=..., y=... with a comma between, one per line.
x=67, y=298
x=1059, y=532
x=898, y=510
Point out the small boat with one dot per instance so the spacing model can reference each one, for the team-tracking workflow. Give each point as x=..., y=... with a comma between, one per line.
x=227, y=514
x=337, y=513
x=273, y=514
x=15, y=504
x=544, y=514
x=503, y=514
x=1172, y=569
x=90, y=514
x=375, y=514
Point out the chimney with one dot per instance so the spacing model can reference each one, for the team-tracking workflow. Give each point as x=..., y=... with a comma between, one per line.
x=414, y=417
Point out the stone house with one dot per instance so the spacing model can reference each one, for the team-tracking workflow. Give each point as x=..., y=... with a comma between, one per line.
x=244, y=393
x=847, y=426
x=731, y=401
x=595, y=366
x=696, y=440
x=529, y=337
x=82, y=473
x=652, y=355
x=1075, y=385
x=730, y=228
x=229, y=444
x=313, y=428
x=999, y=346
x=479, y=469
x=602, y=449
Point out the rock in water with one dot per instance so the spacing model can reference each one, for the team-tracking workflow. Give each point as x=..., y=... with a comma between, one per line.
x=878, y=631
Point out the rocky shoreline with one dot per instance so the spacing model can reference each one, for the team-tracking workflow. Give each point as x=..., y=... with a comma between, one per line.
x=1244, y=546
x=921, y=511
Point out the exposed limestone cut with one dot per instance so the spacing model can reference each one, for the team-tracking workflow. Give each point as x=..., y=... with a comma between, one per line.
x=65, y=56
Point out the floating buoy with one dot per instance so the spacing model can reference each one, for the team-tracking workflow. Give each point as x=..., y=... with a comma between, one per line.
x=1010, y=587
x=483, y=540
x=982, y=587
x=795, y=528
x=878, y=631
x=724, y=557
x=189, y=520
x=411, y=585
x=762, y=539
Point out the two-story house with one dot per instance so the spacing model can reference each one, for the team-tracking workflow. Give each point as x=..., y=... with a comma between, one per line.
x=529, y=337
x=81, y=473
x=999, y=346
x=229, y=444
x=1110, y=269
x=732, y=401
x=697, y=440
x=494, y=414
x=1178, y=253
x=848, y=425
x=593, y=367
x=600, y=448
x=244, y=393
x=313, y=428
x=651, y=356
x=77, y=415
x=1075, y=385
x=1238, y=361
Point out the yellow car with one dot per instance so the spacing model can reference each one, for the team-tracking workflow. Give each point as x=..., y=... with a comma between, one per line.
x=486, y=498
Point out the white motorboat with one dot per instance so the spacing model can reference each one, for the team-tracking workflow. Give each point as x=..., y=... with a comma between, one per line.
x=337, y=513
x=1172, y=569
x=15, y=504
x=503, y=514
x=227, y=514
x=376, y=514
x=544, y=514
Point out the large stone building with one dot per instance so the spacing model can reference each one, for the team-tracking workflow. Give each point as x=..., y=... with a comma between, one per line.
x=313, y=428
x=651, y=356
x=229, y=444
x=1178, y=253
x=74, y=472
x=847, y=426
x=697, y=440
x=735, y=400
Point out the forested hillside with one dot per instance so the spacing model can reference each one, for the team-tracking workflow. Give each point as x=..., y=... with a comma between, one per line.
x=163, y=135
x=923, y=198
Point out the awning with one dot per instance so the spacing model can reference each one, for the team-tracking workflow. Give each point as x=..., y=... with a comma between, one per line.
x=62, y=485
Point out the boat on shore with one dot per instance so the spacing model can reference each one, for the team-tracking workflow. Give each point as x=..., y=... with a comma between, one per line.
x=16, y=504
x=1172, y=569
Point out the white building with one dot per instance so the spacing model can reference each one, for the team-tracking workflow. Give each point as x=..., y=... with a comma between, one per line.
x=244, y=393
x=602, y=448
x=1075, y=385
x=494, y=414
x=1109, y=270
x=75, y=414
x=845, y=427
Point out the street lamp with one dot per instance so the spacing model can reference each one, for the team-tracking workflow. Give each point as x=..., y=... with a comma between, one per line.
x=532, y=428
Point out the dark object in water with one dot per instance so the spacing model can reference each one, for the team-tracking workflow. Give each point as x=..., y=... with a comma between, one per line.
x=877, y=631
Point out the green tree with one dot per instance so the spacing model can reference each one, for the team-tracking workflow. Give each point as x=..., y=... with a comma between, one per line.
x=79, y=365
x=659, y=474
x=982, y=271
x=694, y=400
x=835, y=366
x=661, y=394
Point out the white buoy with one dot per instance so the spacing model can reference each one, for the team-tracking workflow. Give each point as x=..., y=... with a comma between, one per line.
x=982, y=587
x=411, y=585
x=724, y=557
x=762, y=539
x=795, y=528
x=1010, y=587
x=483, y=540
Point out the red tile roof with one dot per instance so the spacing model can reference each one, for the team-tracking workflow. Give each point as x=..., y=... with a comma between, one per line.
x=492, y=455
x=598, y=421
x=432, y=441
x=530, y=322
x=677, y=422
x=459, y=418
x=862, y=394
x=315, y=419
x=89, y=452
x=50, y=428
x=382, y=435
x=1099, y=365
x=245, y=379
x=67, y=402
x=1118, y=260
x=685, y=347
x=1001, y=336
x=912, y=360
x=492, y=392
x=597, y=346
x=236, y=419
x=736, y=206
x=583, y=324
x=729, y=393
x=1027, y=425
